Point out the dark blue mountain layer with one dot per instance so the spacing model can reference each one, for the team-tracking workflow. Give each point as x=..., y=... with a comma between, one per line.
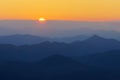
x=37, y=52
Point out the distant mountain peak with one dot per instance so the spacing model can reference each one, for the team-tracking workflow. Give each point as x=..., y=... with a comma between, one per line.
x=95, y=38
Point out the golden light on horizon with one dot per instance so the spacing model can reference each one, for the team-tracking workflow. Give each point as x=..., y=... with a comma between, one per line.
x=42, y=19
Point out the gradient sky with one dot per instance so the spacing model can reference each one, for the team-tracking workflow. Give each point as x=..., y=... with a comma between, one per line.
x=60, y=9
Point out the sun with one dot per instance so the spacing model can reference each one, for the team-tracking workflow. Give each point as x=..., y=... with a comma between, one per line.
x=42, y=19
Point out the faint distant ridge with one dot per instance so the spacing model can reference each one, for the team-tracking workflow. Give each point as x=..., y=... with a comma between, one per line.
x=18, y=39
x=26, y=39
x=73, y=38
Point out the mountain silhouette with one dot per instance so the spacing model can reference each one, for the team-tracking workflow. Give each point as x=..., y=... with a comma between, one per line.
x=96, y=44
x=95, y=39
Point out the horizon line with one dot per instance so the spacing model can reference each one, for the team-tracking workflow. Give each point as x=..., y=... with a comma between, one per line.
x=61, y=20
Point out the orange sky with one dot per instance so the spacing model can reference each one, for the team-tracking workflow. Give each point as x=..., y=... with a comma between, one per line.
x=60, y=9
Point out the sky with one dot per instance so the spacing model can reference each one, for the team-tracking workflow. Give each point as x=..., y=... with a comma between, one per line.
x=91, y=10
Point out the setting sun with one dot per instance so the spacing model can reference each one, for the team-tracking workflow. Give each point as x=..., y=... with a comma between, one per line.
x=42, y=19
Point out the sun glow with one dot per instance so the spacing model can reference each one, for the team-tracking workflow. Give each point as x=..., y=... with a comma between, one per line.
x=42, y=19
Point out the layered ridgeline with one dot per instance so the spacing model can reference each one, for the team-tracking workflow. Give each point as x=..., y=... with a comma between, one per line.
x=92, y=45
x=30, y=39
x=95, y=58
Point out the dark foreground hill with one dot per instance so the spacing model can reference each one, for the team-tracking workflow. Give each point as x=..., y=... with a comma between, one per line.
x=106, y=60
x=54, y=67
